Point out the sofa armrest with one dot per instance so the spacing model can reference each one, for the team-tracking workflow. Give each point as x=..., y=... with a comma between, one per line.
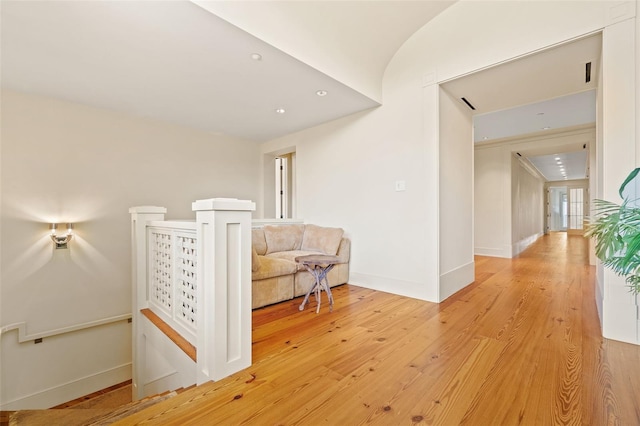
x=344, y=250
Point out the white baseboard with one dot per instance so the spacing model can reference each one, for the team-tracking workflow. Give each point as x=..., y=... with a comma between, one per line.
x=492, y=252
x=412, y=289
x=167, y=382
x=456, y=280
x=522, y=245
x=68, y=391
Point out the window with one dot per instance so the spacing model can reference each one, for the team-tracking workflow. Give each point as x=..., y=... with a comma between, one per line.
x=576, y=208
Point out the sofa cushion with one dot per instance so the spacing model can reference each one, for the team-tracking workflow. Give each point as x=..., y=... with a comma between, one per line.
x=321, y=239
x=273, y=267
x=283, y=237
x=271, y=290
x=291, y=256
x=258, y=241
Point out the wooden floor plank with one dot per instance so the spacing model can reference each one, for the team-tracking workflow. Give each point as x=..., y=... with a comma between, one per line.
x=521, y=345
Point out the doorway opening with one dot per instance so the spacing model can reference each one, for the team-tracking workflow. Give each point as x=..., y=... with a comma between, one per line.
x=280, y=184
x=566, y=209
x=558, y=209
x=284, y=168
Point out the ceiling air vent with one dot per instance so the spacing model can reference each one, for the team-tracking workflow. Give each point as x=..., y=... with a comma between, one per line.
x=587, y=72
x=468, y=103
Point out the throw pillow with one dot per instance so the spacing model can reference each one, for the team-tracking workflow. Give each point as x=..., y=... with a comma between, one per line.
x=283, y=237
x=319, y=238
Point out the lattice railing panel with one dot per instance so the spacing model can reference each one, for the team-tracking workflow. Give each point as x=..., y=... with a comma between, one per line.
x=160, y=279
x=172, y=282
x=186, y=259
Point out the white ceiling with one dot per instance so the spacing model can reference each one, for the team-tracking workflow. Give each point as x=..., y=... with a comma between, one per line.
x=542, y=92
x=548, y=74
x=558, y=113
x=352, y=41
x=177, y=62
x=561, y=166
x=181, y=62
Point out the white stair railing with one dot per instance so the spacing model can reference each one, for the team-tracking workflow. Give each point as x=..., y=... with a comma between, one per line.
x=172, y=276
x=196, y=276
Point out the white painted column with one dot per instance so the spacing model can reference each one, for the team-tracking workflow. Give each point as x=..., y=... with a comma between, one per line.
x=455, y=195
x=139, y=218
x=638, y=87
x=637, y=82
x=619, y=155
x=224, y=286
x=431, y=139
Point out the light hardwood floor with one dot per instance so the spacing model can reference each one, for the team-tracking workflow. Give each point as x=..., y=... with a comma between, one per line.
x=522, y=345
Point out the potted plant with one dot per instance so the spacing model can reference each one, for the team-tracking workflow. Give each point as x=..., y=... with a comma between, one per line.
x=616, y=230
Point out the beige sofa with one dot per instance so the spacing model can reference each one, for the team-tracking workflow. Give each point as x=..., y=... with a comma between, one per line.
x=275, y=274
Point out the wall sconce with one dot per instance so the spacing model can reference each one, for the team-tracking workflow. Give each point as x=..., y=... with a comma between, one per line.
x=61, y=240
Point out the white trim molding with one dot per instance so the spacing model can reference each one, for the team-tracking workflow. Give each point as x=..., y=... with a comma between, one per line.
x=23, y=337
x=520, y=246
x=456, y=279
x=82, y=386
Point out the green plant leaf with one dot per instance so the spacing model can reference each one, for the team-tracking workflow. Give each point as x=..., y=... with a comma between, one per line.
x=616, y=230
x=629, y=178
x=634, y=283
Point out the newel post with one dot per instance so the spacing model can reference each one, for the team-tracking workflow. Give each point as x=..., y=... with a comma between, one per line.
x=139, y=218
x=223, y=227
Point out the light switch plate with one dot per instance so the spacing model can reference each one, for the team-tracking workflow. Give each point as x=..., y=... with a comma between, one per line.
x=400, y=185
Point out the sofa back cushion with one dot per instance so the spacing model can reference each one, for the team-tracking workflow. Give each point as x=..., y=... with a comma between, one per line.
x=258, y=241
x=283, y=237
x=319, y=238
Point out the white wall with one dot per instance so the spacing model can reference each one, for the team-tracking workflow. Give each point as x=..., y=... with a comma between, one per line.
x=347, y=179
x=492, y=201
x=455, y=196
x=347, y=168
x=67, y=162
x=509, y=202
x=527, y=206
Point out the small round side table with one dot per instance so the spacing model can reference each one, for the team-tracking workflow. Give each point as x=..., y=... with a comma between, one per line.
x=319, y=266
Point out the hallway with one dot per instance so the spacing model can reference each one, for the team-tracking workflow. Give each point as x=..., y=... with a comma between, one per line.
x=554, y=338
x=522, y=345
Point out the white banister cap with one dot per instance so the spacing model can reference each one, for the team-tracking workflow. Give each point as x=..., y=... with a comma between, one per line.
x=223, y=204
x=147, y=209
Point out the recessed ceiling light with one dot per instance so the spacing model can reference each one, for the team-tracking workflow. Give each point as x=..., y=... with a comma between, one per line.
x=322, y=93
x=280, y=111
x=485, y=138
x=256, y=56
x=546, y=128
